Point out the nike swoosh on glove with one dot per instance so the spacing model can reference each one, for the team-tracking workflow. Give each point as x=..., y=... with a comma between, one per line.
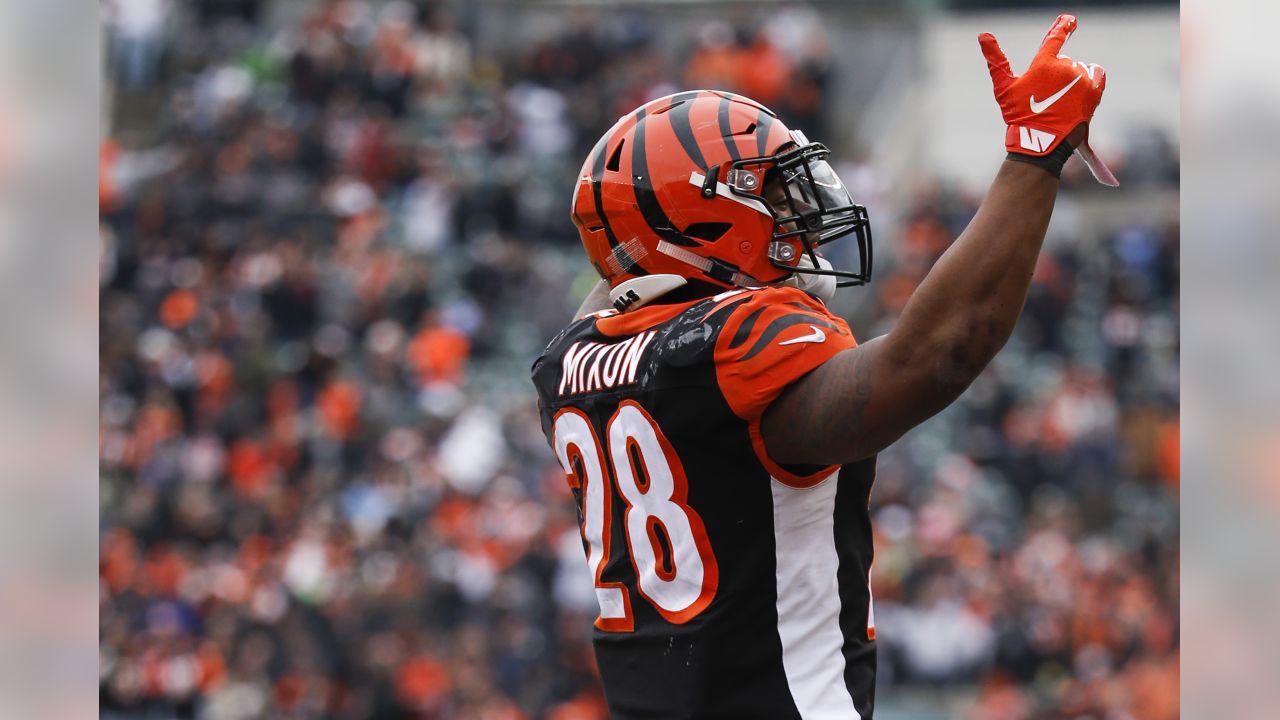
x=1053, y=97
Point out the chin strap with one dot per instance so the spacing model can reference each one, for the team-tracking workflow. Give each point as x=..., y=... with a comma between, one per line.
x=714, y=269
x=640, y=291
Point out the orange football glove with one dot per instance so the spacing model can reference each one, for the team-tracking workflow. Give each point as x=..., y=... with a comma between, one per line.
x=1043, y=105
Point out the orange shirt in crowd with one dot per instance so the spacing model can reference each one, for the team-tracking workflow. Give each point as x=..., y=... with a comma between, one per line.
x=339, y=406
x=439, y=354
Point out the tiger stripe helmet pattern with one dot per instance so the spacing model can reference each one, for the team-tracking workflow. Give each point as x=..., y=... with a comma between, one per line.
x=678, y=186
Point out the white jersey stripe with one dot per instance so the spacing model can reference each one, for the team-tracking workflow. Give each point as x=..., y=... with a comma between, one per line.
x=809, y=600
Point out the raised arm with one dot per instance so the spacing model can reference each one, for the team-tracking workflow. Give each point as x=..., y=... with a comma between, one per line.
x=863, y=399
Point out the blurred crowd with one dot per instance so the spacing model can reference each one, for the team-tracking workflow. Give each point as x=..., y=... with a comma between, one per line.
x=1027, y=538
x=334, y=238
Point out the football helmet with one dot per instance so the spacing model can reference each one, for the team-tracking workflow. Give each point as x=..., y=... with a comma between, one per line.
x=713, y=187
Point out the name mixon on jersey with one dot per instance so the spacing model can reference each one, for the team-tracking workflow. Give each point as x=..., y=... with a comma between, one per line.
x=592, y=366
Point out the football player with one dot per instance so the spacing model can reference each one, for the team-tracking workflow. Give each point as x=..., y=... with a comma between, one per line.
x=719, y=427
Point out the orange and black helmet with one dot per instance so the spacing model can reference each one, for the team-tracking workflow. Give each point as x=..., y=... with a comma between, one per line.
x=679, y=186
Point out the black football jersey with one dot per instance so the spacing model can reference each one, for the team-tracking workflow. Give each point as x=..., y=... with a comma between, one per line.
x=729, y=586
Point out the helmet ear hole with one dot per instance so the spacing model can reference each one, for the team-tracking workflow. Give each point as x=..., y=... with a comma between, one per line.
x=707, y=231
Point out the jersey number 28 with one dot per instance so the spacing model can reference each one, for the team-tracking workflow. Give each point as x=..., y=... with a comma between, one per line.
x=652, y=485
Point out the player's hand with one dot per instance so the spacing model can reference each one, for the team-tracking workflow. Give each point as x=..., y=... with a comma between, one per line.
x=1052, y=102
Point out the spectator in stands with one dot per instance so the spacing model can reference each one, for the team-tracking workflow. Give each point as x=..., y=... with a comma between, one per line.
x=323, y=494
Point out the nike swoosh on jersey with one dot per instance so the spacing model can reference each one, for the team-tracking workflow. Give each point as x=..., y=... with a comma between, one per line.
x=1041, y=106
x=816, y=336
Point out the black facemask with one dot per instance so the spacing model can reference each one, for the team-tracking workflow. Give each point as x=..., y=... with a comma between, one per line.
x=817, y=208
